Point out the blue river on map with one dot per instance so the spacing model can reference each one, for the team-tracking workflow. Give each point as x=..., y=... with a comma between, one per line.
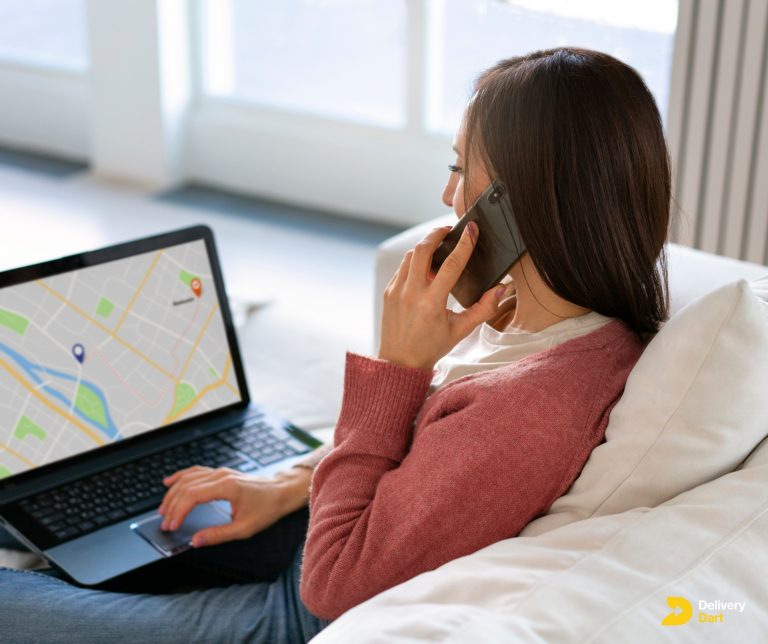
x=32, y=371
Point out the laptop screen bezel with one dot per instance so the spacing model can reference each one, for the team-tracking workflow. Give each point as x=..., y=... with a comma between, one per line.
x=124, y=250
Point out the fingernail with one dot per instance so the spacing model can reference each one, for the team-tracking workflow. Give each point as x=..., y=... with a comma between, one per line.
x=174, y=525
x=500, y=292
x=198, y=541
x=472, y=227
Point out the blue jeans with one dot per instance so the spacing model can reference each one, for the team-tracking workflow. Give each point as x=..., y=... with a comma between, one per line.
x=232, y=592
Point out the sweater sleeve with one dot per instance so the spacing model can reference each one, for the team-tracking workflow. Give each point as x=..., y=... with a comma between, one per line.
x=381, y=513
x=315, y=456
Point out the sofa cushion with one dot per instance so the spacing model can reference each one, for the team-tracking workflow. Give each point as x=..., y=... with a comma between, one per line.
x=693, y=408
x=605, y=579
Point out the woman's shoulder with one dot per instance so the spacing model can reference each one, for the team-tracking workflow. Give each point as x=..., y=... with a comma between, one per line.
x=607, y=352
x=614, y=335
x=599, y=360
x=614, y=339
x=564, y=383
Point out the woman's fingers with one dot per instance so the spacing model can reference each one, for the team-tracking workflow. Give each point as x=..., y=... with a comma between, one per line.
x=421, y=262
x=417, y=262
x=481, y=311
x=186, y=481
x=192, y=496
x=181, y=479
x=237, y=529
x=454, y=264
x=172, y=478
x=398, y=281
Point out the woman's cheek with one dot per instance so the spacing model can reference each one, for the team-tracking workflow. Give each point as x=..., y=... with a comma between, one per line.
x=458, y=200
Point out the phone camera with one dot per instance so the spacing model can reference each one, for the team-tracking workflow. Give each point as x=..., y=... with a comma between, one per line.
x=494, y=196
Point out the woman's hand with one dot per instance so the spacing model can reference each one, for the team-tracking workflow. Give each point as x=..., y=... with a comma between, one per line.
x=257, y=502
x=417, y=328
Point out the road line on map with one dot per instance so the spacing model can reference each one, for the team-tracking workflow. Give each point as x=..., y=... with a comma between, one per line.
x=197, y=342
x=14, y=453
x=186, y=364
x=107, y=330
x=183, y=336
x=132, y=389
x=46, y=402
x=204, y=391
x=142, y=284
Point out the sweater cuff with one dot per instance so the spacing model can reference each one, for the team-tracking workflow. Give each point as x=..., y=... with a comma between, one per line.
x=314, y=457
x=381, y=401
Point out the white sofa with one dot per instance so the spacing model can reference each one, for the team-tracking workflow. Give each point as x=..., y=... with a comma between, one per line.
x=673, y=504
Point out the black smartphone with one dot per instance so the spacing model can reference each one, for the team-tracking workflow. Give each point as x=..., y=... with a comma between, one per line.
x=498, y=246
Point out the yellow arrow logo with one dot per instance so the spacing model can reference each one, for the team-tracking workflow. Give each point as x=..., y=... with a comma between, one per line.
x=676, y=619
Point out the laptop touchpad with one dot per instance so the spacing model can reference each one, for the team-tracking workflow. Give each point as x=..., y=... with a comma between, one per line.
x=172, y=543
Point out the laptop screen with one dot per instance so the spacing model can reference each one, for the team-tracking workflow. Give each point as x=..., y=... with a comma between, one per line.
x=107, y=352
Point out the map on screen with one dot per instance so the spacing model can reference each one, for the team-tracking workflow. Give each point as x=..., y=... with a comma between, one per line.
x=107, y=352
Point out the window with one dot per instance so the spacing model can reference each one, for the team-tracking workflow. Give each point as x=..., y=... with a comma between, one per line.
x=344, y=59
x=44, y=33
x=44, y=64
x=344, y=105
x=468, y=36
x=350, y=105
x=347, y=59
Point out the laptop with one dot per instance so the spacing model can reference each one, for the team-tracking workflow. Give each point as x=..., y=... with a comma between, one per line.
x=118, y=367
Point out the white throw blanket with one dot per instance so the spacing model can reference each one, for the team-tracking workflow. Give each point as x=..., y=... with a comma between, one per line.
x=604, y=579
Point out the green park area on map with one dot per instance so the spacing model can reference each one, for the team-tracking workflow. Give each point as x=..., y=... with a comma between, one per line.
x=105, y=307
x=186, y=277
x=185, y=394
x=15, y=322
x=90, y=405
x=26, y=427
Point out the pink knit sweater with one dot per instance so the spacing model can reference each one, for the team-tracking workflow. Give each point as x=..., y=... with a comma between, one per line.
x=414, y=483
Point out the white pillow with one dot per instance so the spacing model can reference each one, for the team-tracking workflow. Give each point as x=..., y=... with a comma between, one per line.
x=694, y=406
x=759, y=455
x=759, y=287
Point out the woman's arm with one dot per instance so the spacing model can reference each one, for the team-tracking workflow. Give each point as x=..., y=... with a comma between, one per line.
x=298, y=478
x=488, y=456
x=311, y=461
x=347, y=555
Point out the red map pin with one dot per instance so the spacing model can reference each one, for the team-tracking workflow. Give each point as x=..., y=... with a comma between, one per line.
x=197, y=286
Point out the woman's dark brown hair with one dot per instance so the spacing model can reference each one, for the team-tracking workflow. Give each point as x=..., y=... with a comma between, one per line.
x=577, y=138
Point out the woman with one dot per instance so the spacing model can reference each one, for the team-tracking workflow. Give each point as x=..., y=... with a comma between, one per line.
x=467, y=425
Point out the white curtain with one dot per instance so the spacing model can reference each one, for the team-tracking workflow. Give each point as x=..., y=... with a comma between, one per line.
x=718, y=127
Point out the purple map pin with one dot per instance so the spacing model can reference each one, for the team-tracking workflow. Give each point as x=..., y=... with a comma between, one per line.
x=79, y=352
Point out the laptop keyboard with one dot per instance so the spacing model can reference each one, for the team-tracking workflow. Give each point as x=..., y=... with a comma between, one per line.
x=126, y=490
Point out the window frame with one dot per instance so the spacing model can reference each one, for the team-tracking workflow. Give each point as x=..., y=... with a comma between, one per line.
x=28, y=90
x=145, y=125
x=320, y=161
